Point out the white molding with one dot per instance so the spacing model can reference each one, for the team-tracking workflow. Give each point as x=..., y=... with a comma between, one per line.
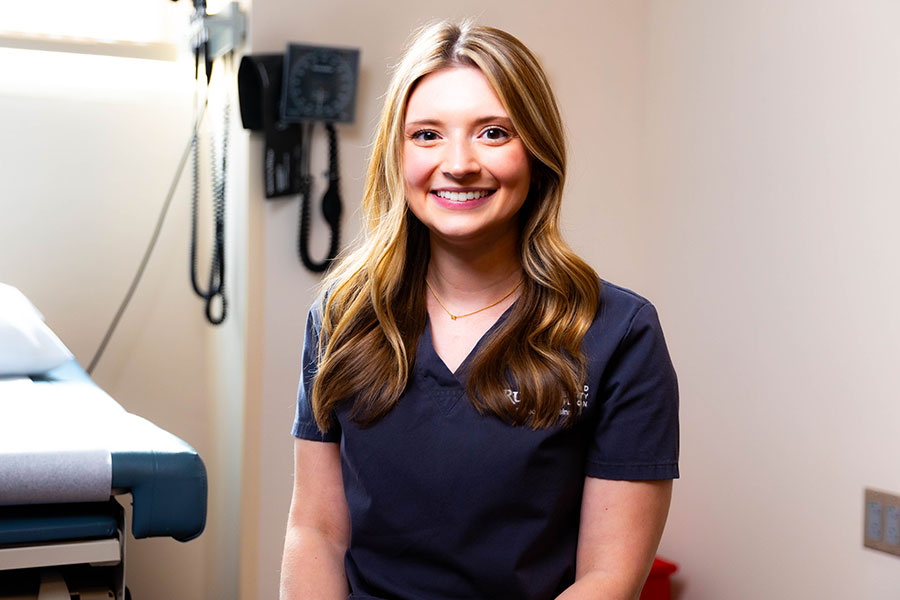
x=83, y=45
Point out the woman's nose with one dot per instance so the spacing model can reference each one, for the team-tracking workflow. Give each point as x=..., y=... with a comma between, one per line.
x=460, y=160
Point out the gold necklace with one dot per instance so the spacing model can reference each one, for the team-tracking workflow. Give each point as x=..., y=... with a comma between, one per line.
x=493, y=304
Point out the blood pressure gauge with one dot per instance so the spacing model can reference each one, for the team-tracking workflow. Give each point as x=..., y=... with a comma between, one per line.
x=319, y=84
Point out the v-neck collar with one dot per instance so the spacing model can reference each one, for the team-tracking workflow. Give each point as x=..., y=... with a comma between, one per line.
x=433, y=362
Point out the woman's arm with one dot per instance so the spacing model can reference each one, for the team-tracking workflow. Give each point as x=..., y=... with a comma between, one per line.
x=318, y=529
x=621, y=525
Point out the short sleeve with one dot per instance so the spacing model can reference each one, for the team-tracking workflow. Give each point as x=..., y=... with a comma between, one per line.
x=305, y=426
x=636, y=436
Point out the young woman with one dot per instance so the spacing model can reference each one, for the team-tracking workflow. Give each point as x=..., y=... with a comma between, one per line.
x=479, y=415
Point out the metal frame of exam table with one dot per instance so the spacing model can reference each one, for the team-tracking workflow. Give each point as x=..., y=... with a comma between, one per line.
x=167, y=482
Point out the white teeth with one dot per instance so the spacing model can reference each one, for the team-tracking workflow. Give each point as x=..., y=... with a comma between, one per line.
x=462, y=196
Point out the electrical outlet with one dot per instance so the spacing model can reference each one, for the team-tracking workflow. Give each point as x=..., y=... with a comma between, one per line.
x=881, y=529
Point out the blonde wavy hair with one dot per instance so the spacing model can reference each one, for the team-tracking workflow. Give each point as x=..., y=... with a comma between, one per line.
x=374, y=310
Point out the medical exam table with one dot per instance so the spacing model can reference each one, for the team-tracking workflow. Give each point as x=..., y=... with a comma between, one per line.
x=67, y=450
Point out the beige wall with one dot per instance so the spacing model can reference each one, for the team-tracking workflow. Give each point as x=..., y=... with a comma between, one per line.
x=736, y=162
x=771, y=159
x=89, y=147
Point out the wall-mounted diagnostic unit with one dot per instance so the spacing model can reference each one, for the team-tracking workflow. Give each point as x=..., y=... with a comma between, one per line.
x=285, y=95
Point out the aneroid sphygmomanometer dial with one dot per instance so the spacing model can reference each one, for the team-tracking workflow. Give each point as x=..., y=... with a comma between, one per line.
x=319, y=83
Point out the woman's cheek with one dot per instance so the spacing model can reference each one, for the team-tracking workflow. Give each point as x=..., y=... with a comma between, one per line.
x=417, y=170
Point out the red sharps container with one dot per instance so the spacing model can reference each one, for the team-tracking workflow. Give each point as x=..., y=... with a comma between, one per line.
x=658, y=585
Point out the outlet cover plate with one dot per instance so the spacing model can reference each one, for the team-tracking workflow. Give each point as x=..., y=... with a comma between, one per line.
x=881, y=526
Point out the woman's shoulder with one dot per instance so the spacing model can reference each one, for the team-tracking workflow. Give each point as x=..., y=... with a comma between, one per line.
x=620, y=298
x=618, y=307
x=626, y=325
x=316, y=311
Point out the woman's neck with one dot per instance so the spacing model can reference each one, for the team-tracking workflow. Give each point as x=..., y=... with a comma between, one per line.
x=466, y=276
x=469, y=289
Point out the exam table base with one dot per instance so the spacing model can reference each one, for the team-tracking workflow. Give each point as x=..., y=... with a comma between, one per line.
x=60, y=570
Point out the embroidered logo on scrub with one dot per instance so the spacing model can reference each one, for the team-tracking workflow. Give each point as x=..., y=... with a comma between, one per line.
x=581, y=401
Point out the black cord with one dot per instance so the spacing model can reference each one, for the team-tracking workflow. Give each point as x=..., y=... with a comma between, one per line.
x=219, y=165
x=153, y=239
x=217, y=262
x=331, y=201
x=217, y=268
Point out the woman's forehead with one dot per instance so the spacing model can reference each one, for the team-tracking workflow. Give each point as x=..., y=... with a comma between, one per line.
x=458, y=91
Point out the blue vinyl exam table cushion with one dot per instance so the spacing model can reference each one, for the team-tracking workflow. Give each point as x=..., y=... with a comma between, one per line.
x=165, y=476
x=51, y=522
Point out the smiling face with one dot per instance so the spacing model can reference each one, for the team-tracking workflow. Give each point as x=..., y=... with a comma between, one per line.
x=467, y=172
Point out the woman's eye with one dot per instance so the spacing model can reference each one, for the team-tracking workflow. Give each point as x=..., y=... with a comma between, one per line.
x=425, y=135
x=495, y=134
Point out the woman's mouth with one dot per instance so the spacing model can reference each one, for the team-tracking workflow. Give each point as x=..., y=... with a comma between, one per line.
x=467, y=196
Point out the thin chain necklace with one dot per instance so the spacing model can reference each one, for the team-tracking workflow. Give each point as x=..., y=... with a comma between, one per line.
x=493, y=304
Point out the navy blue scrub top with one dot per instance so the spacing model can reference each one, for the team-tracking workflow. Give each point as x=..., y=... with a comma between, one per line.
x=447, y=503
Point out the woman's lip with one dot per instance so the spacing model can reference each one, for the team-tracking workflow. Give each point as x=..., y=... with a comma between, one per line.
x=463, y=195
x=461, y=204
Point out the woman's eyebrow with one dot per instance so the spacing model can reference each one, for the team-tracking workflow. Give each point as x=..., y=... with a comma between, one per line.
x=494, y=119
x=478, y=121
x=422, y=122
